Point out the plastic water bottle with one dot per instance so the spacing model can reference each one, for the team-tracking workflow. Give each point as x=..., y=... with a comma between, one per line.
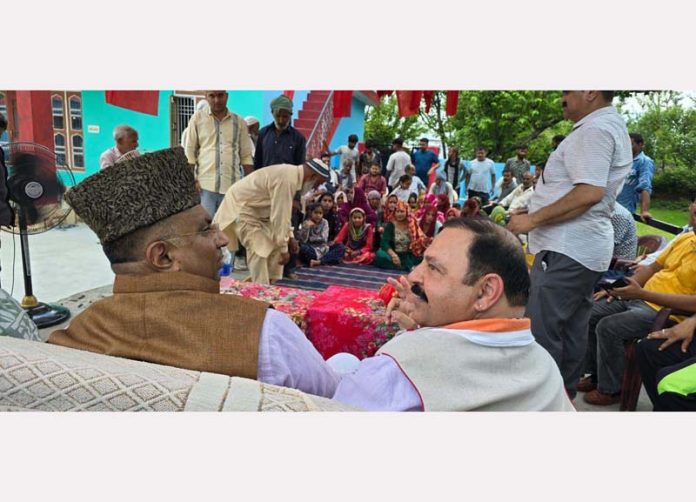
x=226, y=268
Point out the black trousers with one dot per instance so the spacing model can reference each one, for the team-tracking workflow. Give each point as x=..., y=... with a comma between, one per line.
x=655, y=365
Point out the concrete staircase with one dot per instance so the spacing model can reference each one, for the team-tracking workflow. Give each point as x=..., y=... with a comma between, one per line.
x=310, y=111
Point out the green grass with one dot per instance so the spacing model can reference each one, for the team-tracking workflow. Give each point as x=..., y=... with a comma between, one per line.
x=664, y=211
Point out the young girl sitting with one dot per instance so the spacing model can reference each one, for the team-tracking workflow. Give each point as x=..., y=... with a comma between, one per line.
x=357, y=237
x=314, y=240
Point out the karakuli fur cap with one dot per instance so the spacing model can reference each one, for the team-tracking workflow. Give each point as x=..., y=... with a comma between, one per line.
x=135, y=193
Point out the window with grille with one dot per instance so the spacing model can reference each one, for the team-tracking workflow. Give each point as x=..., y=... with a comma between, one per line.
x=184, y=106
x=78, y=151
x=75, y=113
x=58, y=114
x=59, y=143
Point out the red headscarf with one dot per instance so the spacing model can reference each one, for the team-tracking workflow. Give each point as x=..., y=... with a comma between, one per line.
x=430, y=231
x=415, y=233
x=388, y=213
x=444, y=200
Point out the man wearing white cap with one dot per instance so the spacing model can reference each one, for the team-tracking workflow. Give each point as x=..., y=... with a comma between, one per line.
x=256, y=211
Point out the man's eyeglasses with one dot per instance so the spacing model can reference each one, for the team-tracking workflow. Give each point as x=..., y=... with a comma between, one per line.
x=213, y=229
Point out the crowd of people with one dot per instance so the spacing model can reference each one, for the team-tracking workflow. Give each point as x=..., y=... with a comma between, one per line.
x=480, y=330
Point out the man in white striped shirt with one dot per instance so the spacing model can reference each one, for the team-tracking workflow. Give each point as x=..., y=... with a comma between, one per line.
x=569, y=226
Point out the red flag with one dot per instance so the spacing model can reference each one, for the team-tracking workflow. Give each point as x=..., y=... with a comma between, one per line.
x=139, y=101
x=452, y=102
x=341, y=103
x=428, y=96
x=409, y=102
x=290, y=94
x=384, y=93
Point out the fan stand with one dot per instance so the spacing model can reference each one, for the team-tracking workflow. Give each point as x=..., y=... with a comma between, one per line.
x=43, y=314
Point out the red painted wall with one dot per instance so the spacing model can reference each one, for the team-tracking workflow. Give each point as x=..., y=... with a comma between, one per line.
x=34, y=118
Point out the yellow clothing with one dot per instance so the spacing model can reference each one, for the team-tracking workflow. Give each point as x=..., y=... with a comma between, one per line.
x=678, y=274
x=219, y=148
x=257, y=211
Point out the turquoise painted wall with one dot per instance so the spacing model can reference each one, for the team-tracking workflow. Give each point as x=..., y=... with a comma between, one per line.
x=153, y=132
x=355, y=124
x=246, y=103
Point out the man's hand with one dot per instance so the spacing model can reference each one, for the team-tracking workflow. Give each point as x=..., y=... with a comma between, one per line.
x=634, y=264
x=630, y=292
x=402, y=303
x=284, y=258
x=645, y=216
x=198, y=186
x=683, y=332
x=294, y=246
x=602, y=294
x=520, y=224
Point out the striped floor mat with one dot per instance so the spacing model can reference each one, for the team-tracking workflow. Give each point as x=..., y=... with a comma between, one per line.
x=352, y=276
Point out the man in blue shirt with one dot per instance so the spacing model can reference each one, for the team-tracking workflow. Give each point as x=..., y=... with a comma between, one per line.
x=279, y=142
x=638, y=183
x=424, y=159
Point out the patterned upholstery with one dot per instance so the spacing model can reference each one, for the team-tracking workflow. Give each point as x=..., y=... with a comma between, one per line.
x=40, y=377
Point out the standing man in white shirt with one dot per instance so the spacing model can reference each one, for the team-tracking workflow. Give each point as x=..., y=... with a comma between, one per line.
x=478, y=174
x=569, y=226
x=126, y=141
x=396, y=165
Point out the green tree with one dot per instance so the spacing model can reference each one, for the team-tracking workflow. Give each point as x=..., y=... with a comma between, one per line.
x=668, y=128
x=383, y=124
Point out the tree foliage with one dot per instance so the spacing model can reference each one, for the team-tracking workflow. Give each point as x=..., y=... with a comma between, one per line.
x=497, y=119
x=501, y=120
x=383, y=124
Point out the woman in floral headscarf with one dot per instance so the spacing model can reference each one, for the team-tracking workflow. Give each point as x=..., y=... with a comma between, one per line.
x=402, y=243
x=357, y=237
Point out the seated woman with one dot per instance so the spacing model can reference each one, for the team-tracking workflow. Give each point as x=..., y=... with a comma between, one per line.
x=443, y=204
x=313, y=236
x=413, y=202
x=339, y=198
x=429, y=225
x=402, y=242
x=389, y=209
x=356, y=198
x=357, y=237
x=452, y=212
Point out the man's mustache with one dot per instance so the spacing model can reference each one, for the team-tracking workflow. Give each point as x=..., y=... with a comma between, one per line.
x=418, y=291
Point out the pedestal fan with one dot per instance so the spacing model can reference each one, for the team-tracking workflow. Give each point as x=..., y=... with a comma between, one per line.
x=36, y=189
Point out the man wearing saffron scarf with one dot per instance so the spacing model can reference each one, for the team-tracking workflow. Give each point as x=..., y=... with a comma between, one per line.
x=465, y=344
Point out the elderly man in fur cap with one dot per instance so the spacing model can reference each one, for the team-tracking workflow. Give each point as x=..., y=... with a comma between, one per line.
x=257, y=212
x=166, y=307
x=279, y=142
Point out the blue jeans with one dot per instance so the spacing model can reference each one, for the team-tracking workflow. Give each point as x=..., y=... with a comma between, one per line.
x=211, y=202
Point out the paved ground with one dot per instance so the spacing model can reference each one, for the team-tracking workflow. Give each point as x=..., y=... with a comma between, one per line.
x=69, y=268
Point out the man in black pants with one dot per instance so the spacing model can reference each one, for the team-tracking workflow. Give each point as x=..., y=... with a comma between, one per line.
x=667, y=361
